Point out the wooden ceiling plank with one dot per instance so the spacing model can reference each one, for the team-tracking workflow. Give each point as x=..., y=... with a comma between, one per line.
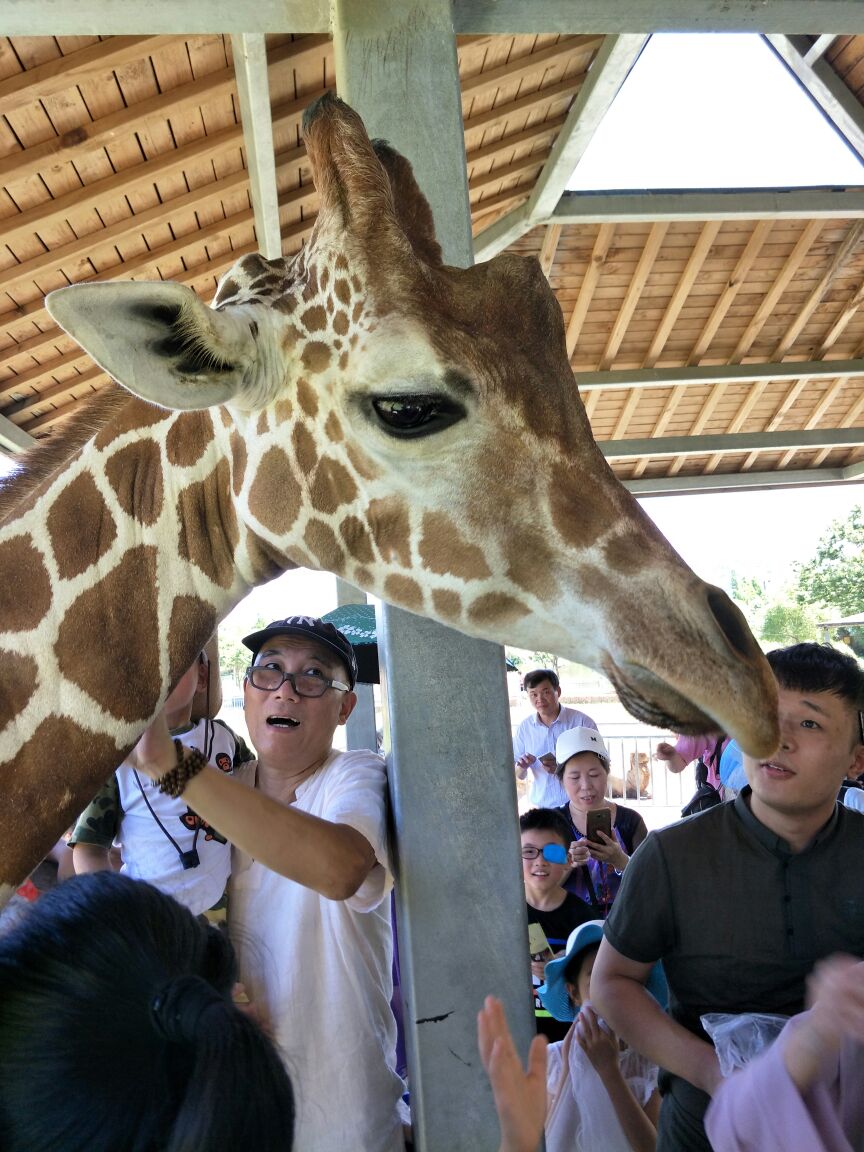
x=841, y=322
x=589, y=284
x=56, y=415
x=811, y=230
x=250, y=66
x=634, y=291
x=530, y=163
x=532, y=135
x=551, y=236
x=515, y=70
x=826, y=88
x=520, y=192
x=610, y=67
x=626, y=415
x=551, y=95
x=65, y=71
x=747, y=373
x=591, y=404
x=682, y=290
x=52, y=392
x=725, y=442
x=26, y=380
x=96, y=195
x=79, y=250
x=850, y=243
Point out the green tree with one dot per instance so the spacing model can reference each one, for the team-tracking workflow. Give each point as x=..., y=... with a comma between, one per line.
x=545, y=660
x=788, y=624
x=234, y=656
x=749, y=594
x=834, y=578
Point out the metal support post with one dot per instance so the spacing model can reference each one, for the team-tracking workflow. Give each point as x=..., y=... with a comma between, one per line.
x=460, y=900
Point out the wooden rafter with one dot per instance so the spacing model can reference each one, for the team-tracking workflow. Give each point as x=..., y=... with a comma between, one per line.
x=551, y=236
x=522, y=66
x=634, y=291
x=589, y=284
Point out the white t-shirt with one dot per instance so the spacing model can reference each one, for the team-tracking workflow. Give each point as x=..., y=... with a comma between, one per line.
x=581, y=1117
x=321, y=970
x=532, y=736
x=148, y=853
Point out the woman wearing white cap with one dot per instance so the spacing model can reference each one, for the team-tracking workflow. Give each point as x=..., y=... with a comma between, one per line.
x=599, y=856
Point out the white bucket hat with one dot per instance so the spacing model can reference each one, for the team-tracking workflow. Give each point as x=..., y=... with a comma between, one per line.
x=576, y=740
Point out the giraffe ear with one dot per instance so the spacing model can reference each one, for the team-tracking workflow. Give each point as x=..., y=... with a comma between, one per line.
x=158, y=340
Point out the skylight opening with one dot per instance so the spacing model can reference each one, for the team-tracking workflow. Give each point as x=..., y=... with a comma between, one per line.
x=714, y=111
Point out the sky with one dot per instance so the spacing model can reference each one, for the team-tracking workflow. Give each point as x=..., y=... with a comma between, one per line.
x=696, y=111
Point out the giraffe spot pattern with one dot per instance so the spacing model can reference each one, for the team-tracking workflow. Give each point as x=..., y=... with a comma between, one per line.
x=283, y=411
x=360, y=462
x=496, y=609
x=333, y=429
x=192, y=623
x=321, y=541
x=274, y=496
x=81, y=503
x=262, y=427
x=316, y=356
x=341, y=324
x=625, y=553
x=135, y=474
x=25, y=586
x=306, y=397
x=356, y=539
x=188, y=438
x=238, y=460
x=124, y=603
x=403, y=591
x=342, y=291
x=580, y=514
x=390, y=525
x=20, y=678
x=314, y=319
x=332, y=486
x=225, y=417
x=447, y=604
x=132, y=416
x=305, y=449
x=530, y=563
x=443, y=549
x=203, y=508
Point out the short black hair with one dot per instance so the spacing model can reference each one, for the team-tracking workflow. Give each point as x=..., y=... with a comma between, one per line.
x=819, y=668
x=546, y=820
x=532, y=679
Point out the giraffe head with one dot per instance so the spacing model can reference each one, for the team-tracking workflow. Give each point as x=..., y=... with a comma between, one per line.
x=415, y=428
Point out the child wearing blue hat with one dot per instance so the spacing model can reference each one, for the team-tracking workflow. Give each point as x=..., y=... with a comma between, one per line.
x=601, y=1093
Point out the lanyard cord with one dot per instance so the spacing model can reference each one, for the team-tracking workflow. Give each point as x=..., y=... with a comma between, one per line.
x=183, y=855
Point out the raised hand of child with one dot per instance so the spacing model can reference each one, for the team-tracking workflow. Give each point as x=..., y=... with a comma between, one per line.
x=154, y=753
x=597, y=1042
x=520, y=1096
x=578, y=853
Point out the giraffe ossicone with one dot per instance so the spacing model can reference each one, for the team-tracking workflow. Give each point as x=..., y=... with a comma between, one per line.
x=361, y=408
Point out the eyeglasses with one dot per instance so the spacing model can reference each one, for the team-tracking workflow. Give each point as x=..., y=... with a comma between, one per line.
x=304, y=683
x=553, y=853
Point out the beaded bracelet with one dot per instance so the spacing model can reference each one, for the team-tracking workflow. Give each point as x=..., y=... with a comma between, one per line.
x=189, y=763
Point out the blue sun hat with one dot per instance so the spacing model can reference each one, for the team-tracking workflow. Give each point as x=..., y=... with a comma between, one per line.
x=553, y=993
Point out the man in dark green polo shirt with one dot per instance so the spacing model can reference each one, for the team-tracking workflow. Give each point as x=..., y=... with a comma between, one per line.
x=741, y=901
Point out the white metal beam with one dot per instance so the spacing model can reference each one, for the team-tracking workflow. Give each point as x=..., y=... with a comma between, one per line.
x=716, y=204
x=736, y=481
x=719, y=373
x=607, y=73
x=732, y=442
x=820, y=46
x=253, y=89
x=840, y=105
x=484, y=17
x=12, y=438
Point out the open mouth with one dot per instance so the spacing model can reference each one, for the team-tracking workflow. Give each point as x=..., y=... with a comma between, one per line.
x=282, y=722
x=775, y=771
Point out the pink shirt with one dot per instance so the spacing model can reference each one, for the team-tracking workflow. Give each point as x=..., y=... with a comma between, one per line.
x=692, y=747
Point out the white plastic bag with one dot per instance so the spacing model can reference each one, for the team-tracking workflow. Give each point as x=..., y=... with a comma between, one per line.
x=739, y=1038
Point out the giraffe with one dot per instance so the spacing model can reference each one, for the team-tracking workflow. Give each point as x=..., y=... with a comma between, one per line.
x=360, y=408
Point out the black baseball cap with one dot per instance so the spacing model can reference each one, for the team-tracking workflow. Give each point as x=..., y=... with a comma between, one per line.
x=314, y=629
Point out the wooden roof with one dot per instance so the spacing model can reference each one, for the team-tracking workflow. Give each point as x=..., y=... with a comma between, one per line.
x=125, y=157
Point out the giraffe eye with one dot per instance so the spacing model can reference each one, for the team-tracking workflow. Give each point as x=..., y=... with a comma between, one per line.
x=410, y=416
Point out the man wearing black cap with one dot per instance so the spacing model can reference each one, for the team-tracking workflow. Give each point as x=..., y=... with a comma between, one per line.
x=308, y=899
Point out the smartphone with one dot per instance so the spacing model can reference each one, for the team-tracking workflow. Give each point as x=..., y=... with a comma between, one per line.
x=598, y=820
x=538, y=945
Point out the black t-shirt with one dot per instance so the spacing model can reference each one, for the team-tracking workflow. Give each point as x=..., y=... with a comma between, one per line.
x=739, y=920
x=557, y=924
